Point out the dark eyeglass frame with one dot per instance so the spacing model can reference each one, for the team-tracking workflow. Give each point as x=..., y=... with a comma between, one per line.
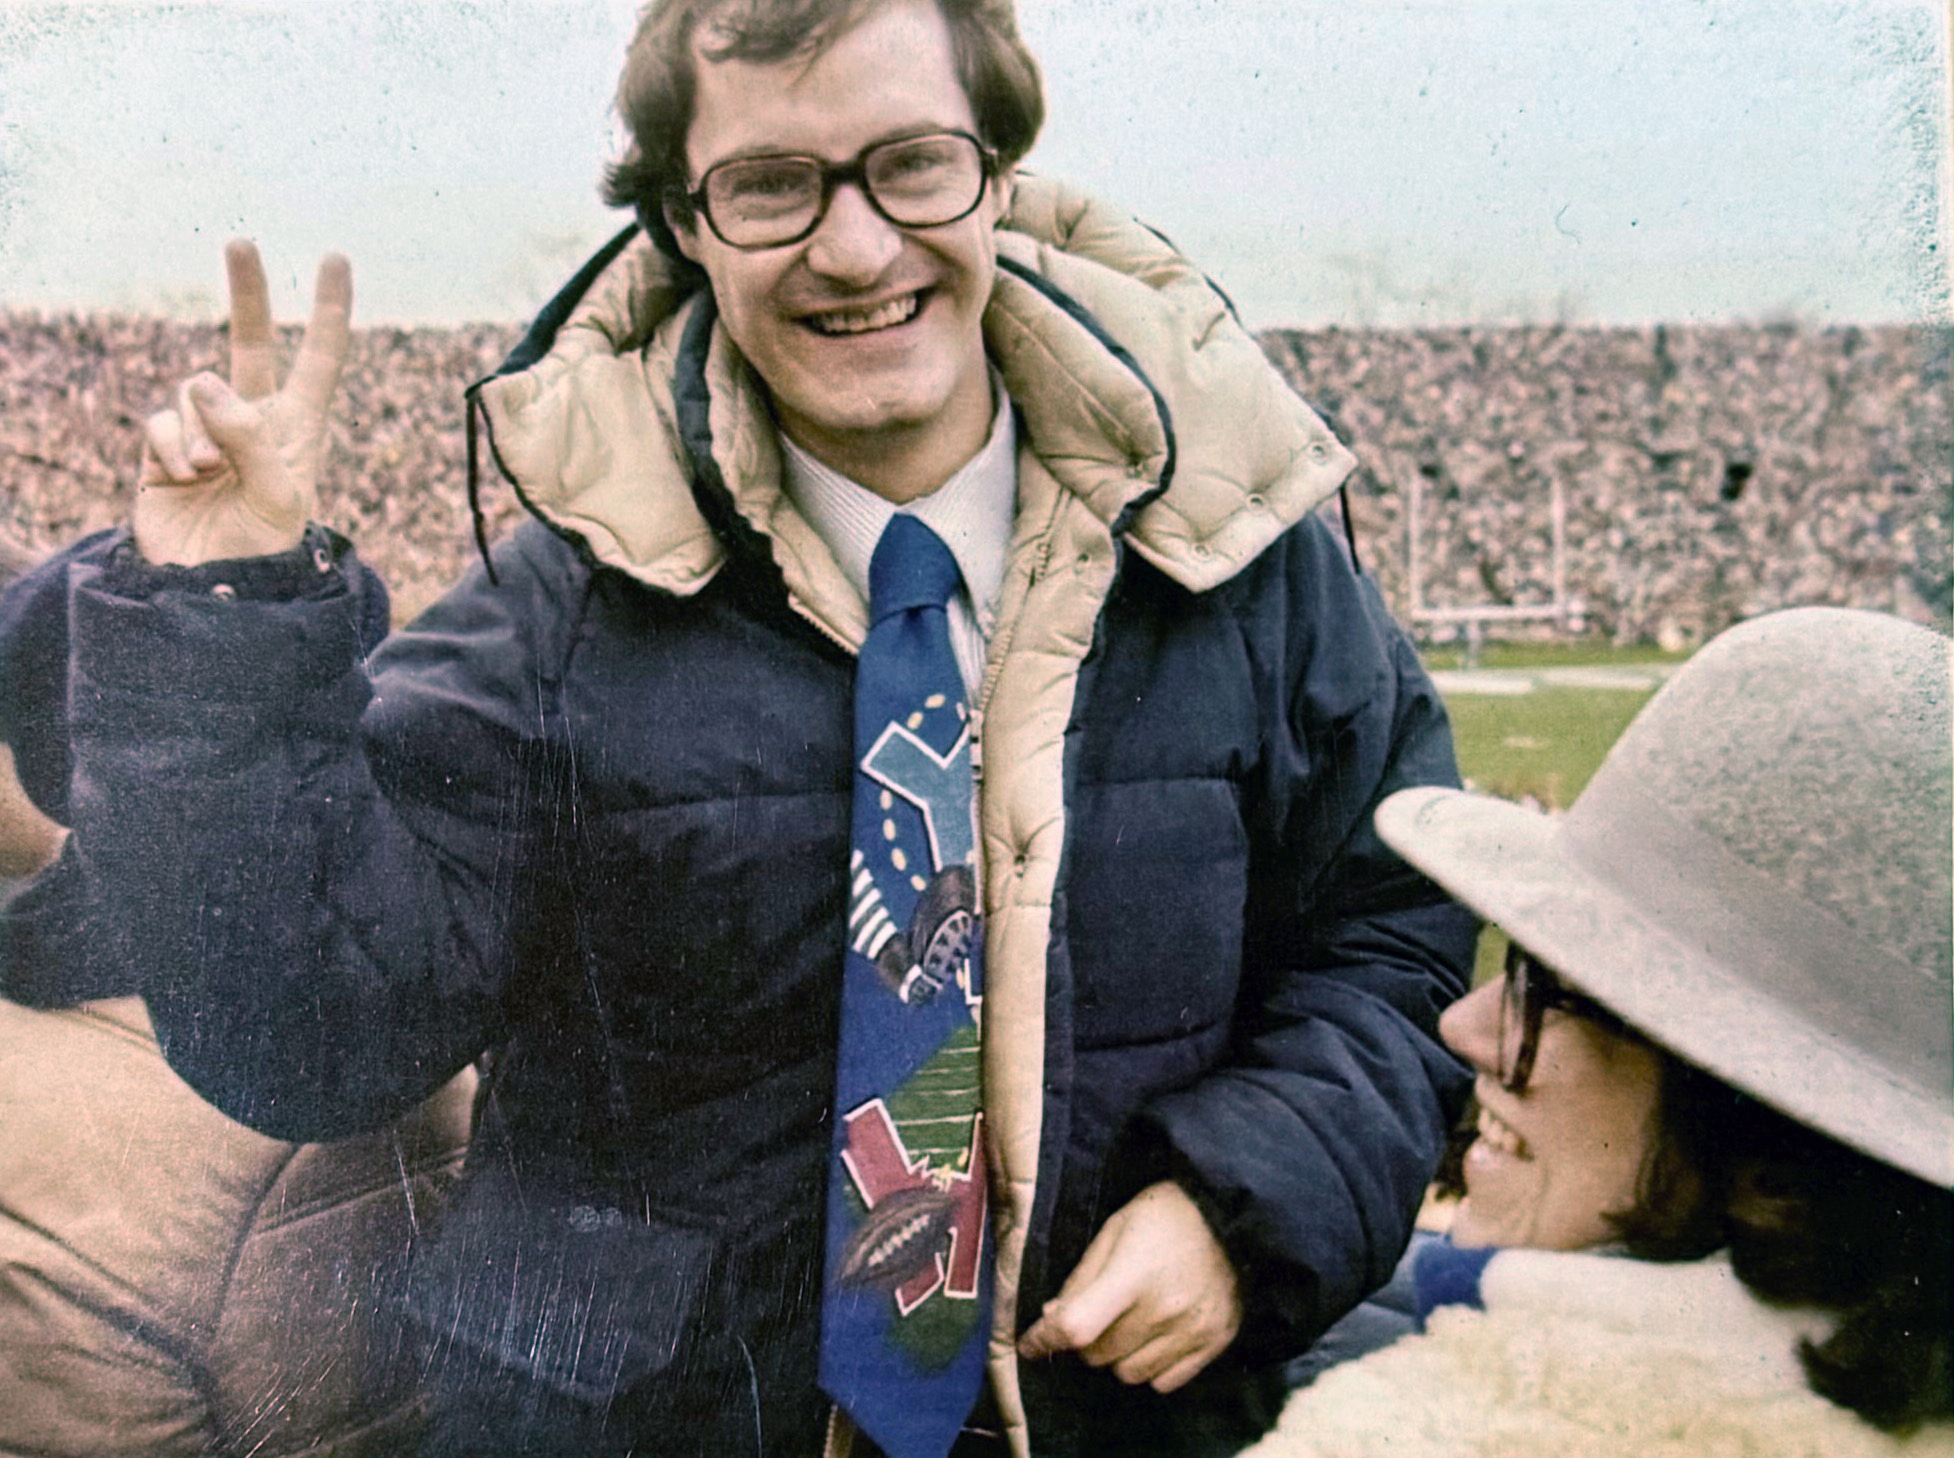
x=1529, y=990
x=833, y=175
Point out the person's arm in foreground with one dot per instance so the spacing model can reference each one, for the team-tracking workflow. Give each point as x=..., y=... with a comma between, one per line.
x=319, y=948
x=1297, y=1166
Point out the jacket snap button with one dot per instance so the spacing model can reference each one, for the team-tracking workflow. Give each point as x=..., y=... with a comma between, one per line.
x=1318, y=450
x=321, y=560
x=1257, y=501
x=224, y=592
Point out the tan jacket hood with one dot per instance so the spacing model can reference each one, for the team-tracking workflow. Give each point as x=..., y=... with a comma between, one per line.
x=590, y=434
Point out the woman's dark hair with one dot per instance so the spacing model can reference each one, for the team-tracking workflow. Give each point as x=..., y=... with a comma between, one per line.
x=655, y=95
x=1808, y=1222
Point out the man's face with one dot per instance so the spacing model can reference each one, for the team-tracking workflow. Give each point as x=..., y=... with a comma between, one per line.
x=868, y=336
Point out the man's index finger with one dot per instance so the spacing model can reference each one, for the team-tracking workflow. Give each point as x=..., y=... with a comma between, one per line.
x=254, y=357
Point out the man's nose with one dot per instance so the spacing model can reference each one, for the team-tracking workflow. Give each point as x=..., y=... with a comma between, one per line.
x=1470, y=1027
x=854, y=243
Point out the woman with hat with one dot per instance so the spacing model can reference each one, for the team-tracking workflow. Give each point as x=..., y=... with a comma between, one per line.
x=1707, y=1207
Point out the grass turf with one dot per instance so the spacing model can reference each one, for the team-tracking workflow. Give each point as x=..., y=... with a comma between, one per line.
x=1544, y=745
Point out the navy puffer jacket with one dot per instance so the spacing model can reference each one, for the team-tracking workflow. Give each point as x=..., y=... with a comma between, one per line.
x=593, y=815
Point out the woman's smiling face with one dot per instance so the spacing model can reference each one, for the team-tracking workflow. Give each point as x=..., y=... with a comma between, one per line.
x=1553, y=1162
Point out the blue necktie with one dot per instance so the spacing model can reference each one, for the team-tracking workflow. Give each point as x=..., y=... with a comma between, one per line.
x=906, y=1302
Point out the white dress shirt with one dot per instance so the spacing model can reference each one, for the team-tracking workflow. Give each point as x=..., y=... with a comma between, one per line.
x=972, y=512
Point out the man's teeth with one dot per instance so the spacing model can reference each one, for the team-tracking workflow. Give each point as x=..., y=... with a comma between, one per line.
x=861, y=321
x=1500, y=1135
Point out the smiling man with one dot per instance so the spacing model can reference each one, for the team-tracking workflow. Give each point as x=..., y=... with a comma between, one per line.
x=868, y=334
x=899, y=817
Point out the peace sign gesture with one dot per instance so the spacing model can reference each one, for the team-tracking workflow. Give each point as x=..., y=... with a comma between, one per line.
x=233, y=470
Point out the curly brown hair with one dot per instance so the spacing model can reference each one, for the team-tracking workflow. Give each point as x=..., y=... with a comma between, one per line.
x=656, y=92
x=1808, y=1222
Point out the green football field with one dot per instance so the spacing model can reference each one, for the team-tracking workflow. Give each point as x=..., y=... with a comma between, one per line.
x=1544, y=744
x=1537, y=721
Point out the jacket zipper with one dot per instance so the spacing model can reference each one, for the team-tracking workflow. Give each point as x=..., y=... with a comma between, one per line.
x=994, y=657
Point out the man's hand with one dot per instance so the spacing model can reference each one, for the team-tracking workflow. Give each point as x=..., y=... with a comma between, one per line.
x=1154, y=1297
x=233, y=470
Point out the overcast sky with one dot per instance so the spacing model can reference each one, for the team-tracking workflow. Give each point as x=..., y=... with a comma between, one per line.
x=1328, y=161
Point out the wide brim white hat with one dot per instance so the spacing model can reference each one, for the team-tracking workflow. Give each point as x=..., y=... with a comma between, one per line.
x=1760, y=876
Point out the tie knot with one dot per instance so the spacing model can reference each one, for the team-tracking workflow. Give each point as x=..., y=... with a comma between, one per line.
x=911, y=568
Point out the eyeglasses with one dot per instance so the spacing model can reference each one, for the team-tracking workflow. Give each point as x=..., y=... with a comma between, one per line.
x=1529, y=990
x=913, y=182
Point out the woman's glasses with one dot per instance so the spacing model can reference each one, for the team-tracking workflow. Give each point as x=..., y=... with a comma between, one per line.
x=1529, y=990
x=913, y=182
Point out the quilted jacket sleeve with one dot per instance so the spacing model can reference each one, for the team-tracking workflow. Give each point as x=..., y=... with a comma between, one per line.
x=1310, y=1147
x=304, y=856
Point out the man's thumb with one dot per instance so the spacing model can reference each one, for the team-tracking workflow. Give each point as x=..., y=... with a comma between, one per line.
x=1048, y=1334
x=235, y=425
x=1075, y=1318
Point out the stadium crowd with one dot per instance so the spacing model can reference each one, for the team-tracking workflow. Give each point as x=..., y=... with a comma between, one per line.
x=1710, y=473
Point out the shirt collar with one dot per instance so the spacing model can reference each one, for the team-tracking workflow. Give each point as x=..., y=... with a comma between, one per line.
x=972, y=512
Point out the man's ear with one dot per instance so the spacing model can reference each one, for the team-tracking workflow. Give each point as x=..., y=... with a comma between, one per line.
x=1005, y=186
x=685, y=230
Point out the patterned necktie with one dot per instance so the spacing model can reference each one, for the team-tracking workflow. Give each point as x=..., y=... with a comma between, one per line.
x=906, y=1303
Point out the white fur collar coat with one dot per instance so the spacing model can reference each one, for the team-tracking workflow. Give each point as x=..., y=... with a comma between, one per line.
x=1578, y=1356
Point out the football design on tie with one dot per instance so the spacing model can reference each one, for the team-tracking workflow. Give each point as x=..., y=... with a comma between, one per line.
x=913, y=915
x=917, y=954
x=899, y=1237
x=906, y=1302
